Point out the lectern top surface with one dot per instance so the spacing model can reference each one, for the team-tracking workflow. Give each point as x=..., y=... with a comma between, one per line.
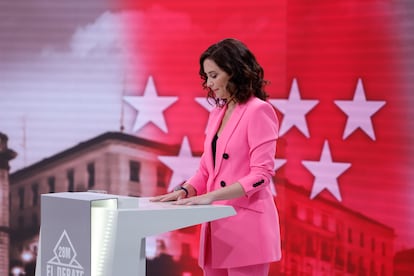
x=87, y=196
x=128, y=203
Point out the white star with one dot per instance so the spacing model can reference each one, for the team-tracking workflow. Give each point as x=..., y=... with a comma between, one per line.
x=294, y=110
x=359, y=112
x=326, y=173
x=278, y=163
x=150, y=107
x=204, y=103
x=183, y=166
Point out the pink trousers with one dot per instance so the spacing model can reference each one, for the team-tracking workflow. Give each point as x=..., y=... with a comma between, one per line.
x=256, y=270
x=251, y=270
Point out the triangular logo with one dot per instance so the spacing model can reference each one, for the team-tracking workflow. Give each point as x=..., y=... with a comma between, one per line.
x=65, y=253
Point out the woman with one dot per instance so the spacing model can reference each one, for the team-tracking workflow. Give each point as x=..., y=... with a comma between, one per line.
x=236, y=166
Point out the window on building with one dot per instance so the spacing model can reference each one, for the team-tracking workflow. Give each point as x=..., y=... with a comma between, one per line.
x=296, y=244
x=339, y=258
x=351, y=266
x=294, y=210
x=325, y=222
x=70, y=177
x=340, y=229
x=373, y=244
x=91, y=174
x=361, y=239
x=20, y=222
x=310, y=246
x=51, y=183
x=384, y=249
x=134, y=171
x=309, y=215
x=326, y=251
x=161, y=176
x=317, y=219
x=21, y=198
x=361, y=266
x=372, y=270
x=349, y=235
x=35, y=194
x=301, y=213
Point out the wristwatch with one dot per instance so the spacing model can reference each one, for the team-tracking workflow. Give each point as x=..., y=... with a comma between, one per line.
x=179, y=187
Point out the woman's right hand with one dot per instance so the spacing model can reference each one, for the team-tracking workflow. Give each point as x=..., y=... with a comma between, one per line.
x=173, y=196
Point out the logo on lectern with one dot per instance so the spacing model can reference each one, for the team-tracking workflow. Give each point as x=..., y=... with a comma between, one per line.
x=64, y=261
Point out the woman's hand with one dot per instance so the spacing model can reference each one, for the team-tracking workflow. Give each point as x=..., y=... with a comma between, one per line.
x=174, y=196
x=204, y=199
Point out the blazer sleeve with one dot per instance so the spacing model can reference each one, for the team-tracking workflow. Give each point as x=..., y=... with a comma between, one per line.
x=199, y=180
x=262, y=133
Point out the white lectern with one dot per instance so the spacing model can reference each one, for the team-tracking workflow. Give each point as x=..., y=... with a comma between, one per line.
x=93, y=234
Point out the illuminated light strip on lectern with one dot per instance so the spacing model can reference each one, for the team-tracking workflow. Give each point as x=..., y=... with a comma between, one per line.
x=103, y=225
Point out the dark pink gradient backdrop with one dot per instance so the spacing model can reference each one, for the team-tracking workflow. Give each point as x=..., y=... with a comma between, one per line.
x=330, y=46
x=327, y=46
x=170, y=36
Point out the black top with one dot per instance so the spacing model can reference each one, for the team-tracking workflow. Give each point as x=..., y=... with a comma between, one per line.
x=213, y=147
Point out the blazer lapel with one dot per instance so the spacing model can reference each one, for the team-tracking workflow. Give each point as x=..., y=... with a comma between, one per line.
x=227, y=133
x=215, y=124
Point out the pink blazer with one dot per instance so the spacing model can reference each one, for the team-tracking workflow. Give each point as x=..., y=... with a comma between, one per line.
x=245, y=153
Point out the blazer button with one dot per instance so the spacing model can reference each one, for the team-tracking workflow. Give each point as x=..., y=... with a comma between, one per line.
x=225, y=156
x=258, y=183
x=222, y=184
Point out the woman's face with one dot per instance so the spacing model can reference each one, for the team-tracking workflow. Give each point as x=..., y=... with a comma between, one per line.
x=217, y=79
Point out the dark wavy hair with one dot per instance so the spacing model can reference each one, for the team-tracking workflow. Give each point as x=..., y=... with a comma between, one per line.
x=246, y=74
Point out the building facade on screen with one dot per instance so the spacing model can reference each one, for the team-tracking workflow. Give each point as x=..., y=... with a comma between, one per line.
x=319, y=237
x=6, y=155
